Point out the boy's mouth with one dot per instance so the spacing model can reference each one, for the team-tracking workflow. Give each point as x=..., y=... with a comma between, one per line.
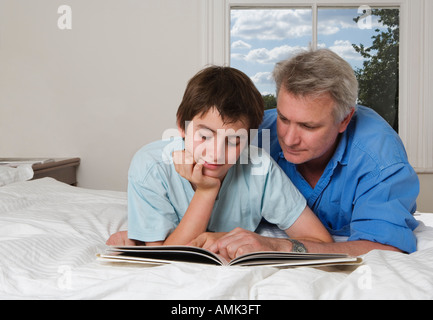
x=212, y=166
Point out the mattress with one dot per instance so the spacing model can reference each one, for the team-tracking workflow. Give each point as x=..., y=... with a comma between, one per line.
x=50, y=234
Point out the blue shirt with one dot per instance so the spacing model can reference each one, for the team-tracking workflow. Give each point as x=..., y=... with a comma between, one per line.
x=254, y=188
x=368, y=190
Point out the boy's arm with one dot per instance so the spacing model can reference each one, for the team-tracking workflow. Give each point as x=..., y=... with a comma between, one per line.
x=199, y=211
x=196, y=218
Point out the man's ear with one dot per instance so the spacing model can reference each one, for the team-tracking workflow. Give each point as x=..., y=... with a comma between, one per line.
x=346, y=121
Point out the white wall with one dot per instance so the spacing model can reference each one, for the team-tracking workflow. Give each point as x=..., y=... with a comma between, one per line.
x=105, y=88
x=99, y=91
x=425, y=199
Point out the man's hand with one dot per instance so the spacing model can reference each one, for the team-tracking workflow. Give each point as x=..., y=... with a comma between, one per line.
x=239, y=242
x=193, y=172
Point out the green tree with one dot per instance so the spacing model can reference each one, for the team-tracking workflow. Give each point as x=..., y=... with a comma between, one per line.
x=270, y=101
x=379, y=77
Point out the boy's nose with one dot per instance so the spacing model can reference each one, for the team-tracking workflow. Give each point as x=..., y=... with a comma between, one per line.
x=218, y=155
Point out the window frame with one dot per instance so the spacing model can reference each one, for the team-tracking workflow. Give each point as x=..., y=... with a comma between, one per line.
x=416, y=71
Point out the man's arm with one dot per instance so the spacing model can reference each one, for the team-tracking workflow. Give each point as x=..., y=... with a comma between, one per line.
x=240, y=241
x=352, y=248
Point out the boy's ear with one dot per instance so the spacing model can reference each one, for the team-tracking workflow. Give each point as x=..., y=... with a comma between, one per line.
x=181, y=131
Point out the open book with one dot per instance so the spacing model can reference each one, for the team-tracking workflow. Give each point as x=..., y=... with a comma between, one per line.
x=170, y=254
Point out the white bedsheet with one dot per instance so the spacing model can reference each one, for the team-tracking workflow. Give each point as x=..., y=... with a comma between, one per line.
x=50, y=234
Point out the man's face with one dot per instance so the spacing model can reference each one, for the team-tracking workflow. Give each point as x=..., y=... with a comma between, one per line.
x=306, y=127
x=214, y=143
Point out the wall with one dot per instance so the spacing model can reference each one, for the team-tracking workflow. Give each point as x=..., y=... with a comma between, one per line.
x=425, y=200
x=105, y=88
x=99, y=91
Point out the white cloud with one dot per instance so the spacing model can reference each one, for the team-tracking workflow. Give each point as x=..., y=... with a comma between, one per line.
x=327, y=29
x=240, y=45
x=345, y=50
x=262, y=78
x=237, y=56
x=271, y=24
x=332, y=21
x=271, y=56
x=267, y=24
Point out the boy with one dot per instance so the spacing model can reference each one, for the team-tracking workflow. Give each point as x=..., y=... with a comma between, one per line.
x=208, y=181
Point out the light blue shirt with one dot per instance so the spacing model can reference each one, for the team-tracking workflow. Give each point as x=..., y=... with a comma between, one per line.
x=158, y=196
x=368, y=191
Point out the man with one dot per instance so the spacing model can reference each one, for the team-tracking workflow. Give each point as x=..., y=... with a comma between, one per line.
x=345, y=159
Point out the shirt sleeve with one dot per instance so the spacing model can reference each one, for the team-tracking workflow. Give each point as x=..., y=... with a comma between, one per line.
x=282, y=203
x=151, y=216
x=383, y=209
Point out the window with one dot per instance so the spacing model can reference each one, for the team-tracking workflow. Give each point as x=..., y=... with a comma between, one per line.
x=415, y=114
x=366, y=37
x=262, y=37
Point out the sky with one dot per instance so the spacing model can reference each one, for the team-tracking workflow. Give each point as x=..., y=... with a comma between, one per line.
x=262, y=37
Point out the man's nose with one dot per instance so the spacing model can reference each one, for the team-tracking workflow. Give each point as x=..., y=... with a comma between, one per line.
x=292, y=136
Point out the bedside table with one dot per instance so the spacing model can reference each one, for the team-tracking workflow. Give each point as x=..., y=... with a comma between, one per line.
x=64, y=170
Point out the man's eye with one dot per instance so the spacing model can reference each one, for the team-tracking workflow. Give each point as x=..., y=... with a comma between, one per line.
x=309, y=127
x=283, y=119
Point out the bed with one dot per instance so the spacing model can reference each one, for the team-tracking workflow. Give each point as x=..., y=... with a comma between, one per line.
x=50, y=234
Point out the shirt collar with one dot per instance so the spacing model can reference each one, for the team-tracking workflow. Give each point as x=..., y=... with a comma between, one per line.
x=340, y=154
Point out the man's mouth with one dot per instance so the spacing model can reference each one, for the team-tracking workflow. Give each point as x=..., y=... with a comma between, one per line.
x=293, y=152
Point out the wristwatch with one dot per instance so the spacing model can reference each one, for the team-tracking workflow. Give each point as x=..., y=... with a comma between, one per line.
x=298, y=247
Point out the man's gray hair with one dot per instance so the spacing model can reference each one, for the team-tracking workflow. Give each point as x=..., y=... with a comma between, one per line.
x=317, y=72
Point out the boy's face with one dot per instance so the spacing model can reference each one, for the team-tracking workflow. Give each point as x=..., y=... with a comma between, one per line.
x=214, y=143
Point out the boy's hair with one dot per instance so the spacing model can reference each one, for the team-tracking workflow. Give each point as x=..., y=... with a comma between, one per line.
x=228, y=90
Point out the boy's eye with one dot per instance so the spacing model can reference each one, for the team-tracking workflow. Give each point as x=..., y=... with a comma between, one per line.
x=204, y=135
x=235, y=141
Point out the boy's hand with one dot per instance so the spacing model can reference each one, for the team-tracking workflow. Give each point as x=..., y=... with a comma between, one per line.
x=192, y=171
x=120, y=239
x=207, y=239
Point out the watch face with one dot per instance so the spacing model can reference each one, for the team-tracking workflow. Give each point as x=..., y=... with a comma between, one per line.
x=298, y=247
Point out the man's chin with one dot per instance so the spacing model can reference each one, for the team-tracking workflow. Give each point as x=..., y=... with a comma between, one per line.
x=295, y=159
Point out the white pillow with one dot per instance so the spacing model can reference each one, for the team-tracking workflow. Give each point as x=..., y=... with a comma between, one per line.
x=10, y=175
